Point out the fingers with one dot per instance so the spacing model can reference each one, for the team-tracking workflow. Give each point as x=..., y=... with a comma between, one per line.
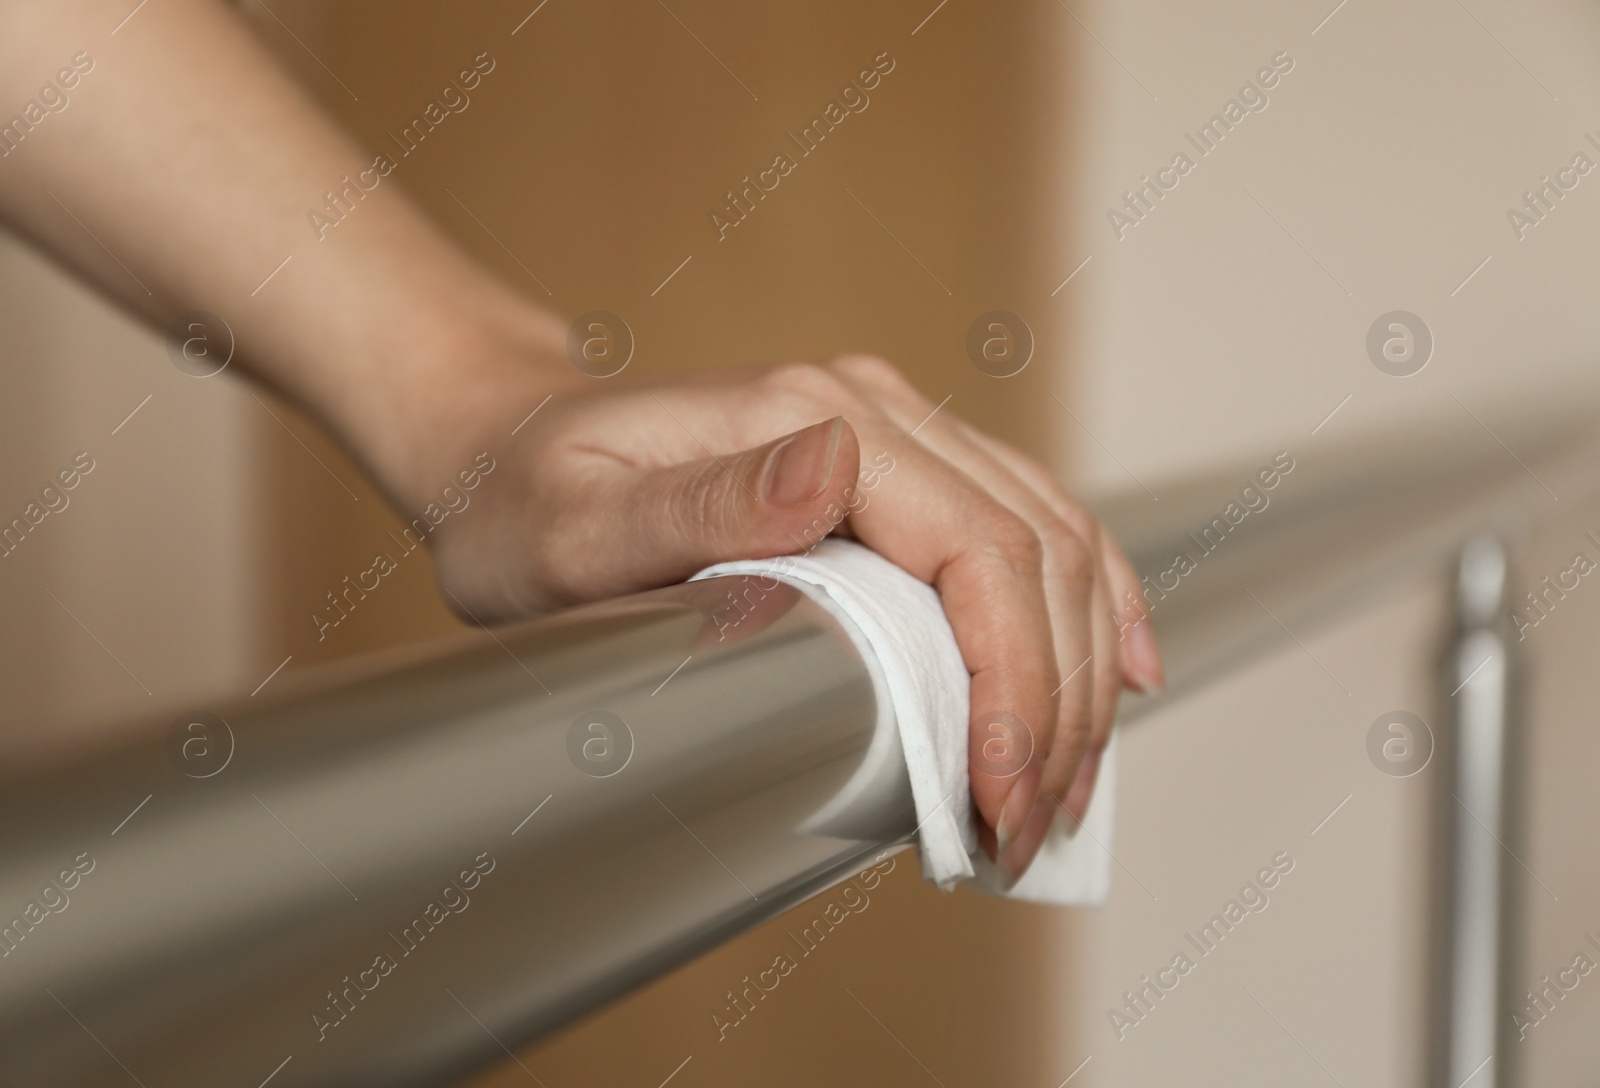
x=1086, y=632
x=1141, y=657
x=1121, y=620
x=1104, y=673
x=1083, y=643
x=1065, y=582
x=987, y=564
x=955, y=530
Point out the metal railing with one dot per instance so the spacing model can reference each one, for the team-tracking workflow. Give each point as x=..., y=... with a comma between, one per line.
x=401, y=867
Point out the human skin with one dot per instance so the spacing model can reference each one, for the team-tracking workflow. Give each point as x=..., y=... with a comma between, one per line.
x=192, y=158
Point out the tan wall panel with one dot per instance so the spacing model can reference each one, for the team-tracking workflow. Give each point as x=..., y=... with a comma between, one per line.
x=589, y=162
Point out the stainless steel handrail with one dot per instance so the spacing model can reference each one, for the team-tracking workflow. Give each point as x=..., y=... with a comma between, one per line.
x=1347, y=524
x=392, y=871
x=402, y=865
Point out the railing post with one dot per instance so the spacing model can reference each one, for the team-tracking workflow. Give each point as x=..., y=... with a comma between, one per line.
x=1476, y=807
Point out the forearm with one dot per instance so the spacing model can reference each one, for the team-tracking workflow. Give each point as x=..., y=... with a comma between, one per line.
x=180, y=175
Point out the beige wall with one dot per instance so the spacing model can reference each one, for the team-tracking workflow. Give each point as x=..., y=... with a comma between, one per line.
x=1391, y=153
x=1227, y=325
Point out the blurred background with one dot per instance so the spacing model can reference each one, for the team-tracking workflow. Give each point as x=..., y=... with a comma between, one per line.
x=1225, y=325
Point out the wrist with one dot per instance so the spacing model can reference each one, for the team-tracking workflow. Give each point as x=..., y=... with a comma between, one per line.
x=450, y=390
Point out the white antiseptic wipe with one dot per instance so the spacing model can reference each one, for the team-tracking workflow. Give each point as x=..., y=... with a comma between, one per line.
x=923, y=681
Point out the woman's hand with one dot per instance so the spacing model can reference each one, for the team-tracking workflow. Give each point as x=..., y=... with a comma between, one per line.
x=612, y=488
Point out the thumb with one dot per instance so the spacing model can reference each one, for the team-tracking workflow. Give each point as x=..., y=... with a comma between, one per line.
x=775, y=499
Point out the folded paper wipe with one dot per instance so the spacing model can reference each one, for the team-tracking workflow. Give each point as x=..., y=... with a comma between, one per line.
x=899, y=624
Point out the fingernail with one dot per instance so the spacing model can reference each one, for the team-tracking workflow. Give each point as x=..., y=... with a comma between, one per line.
x=801, y=465
x=1017, y=807
x=1144, y=658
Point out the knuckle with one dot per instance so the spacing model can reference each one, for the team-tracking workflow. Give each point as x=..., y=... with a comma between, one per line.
x=1084, y=523
x=1082, y=520
x=872, y=371
x=1014, y=542
x=1071, y=557
x=810, y=381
